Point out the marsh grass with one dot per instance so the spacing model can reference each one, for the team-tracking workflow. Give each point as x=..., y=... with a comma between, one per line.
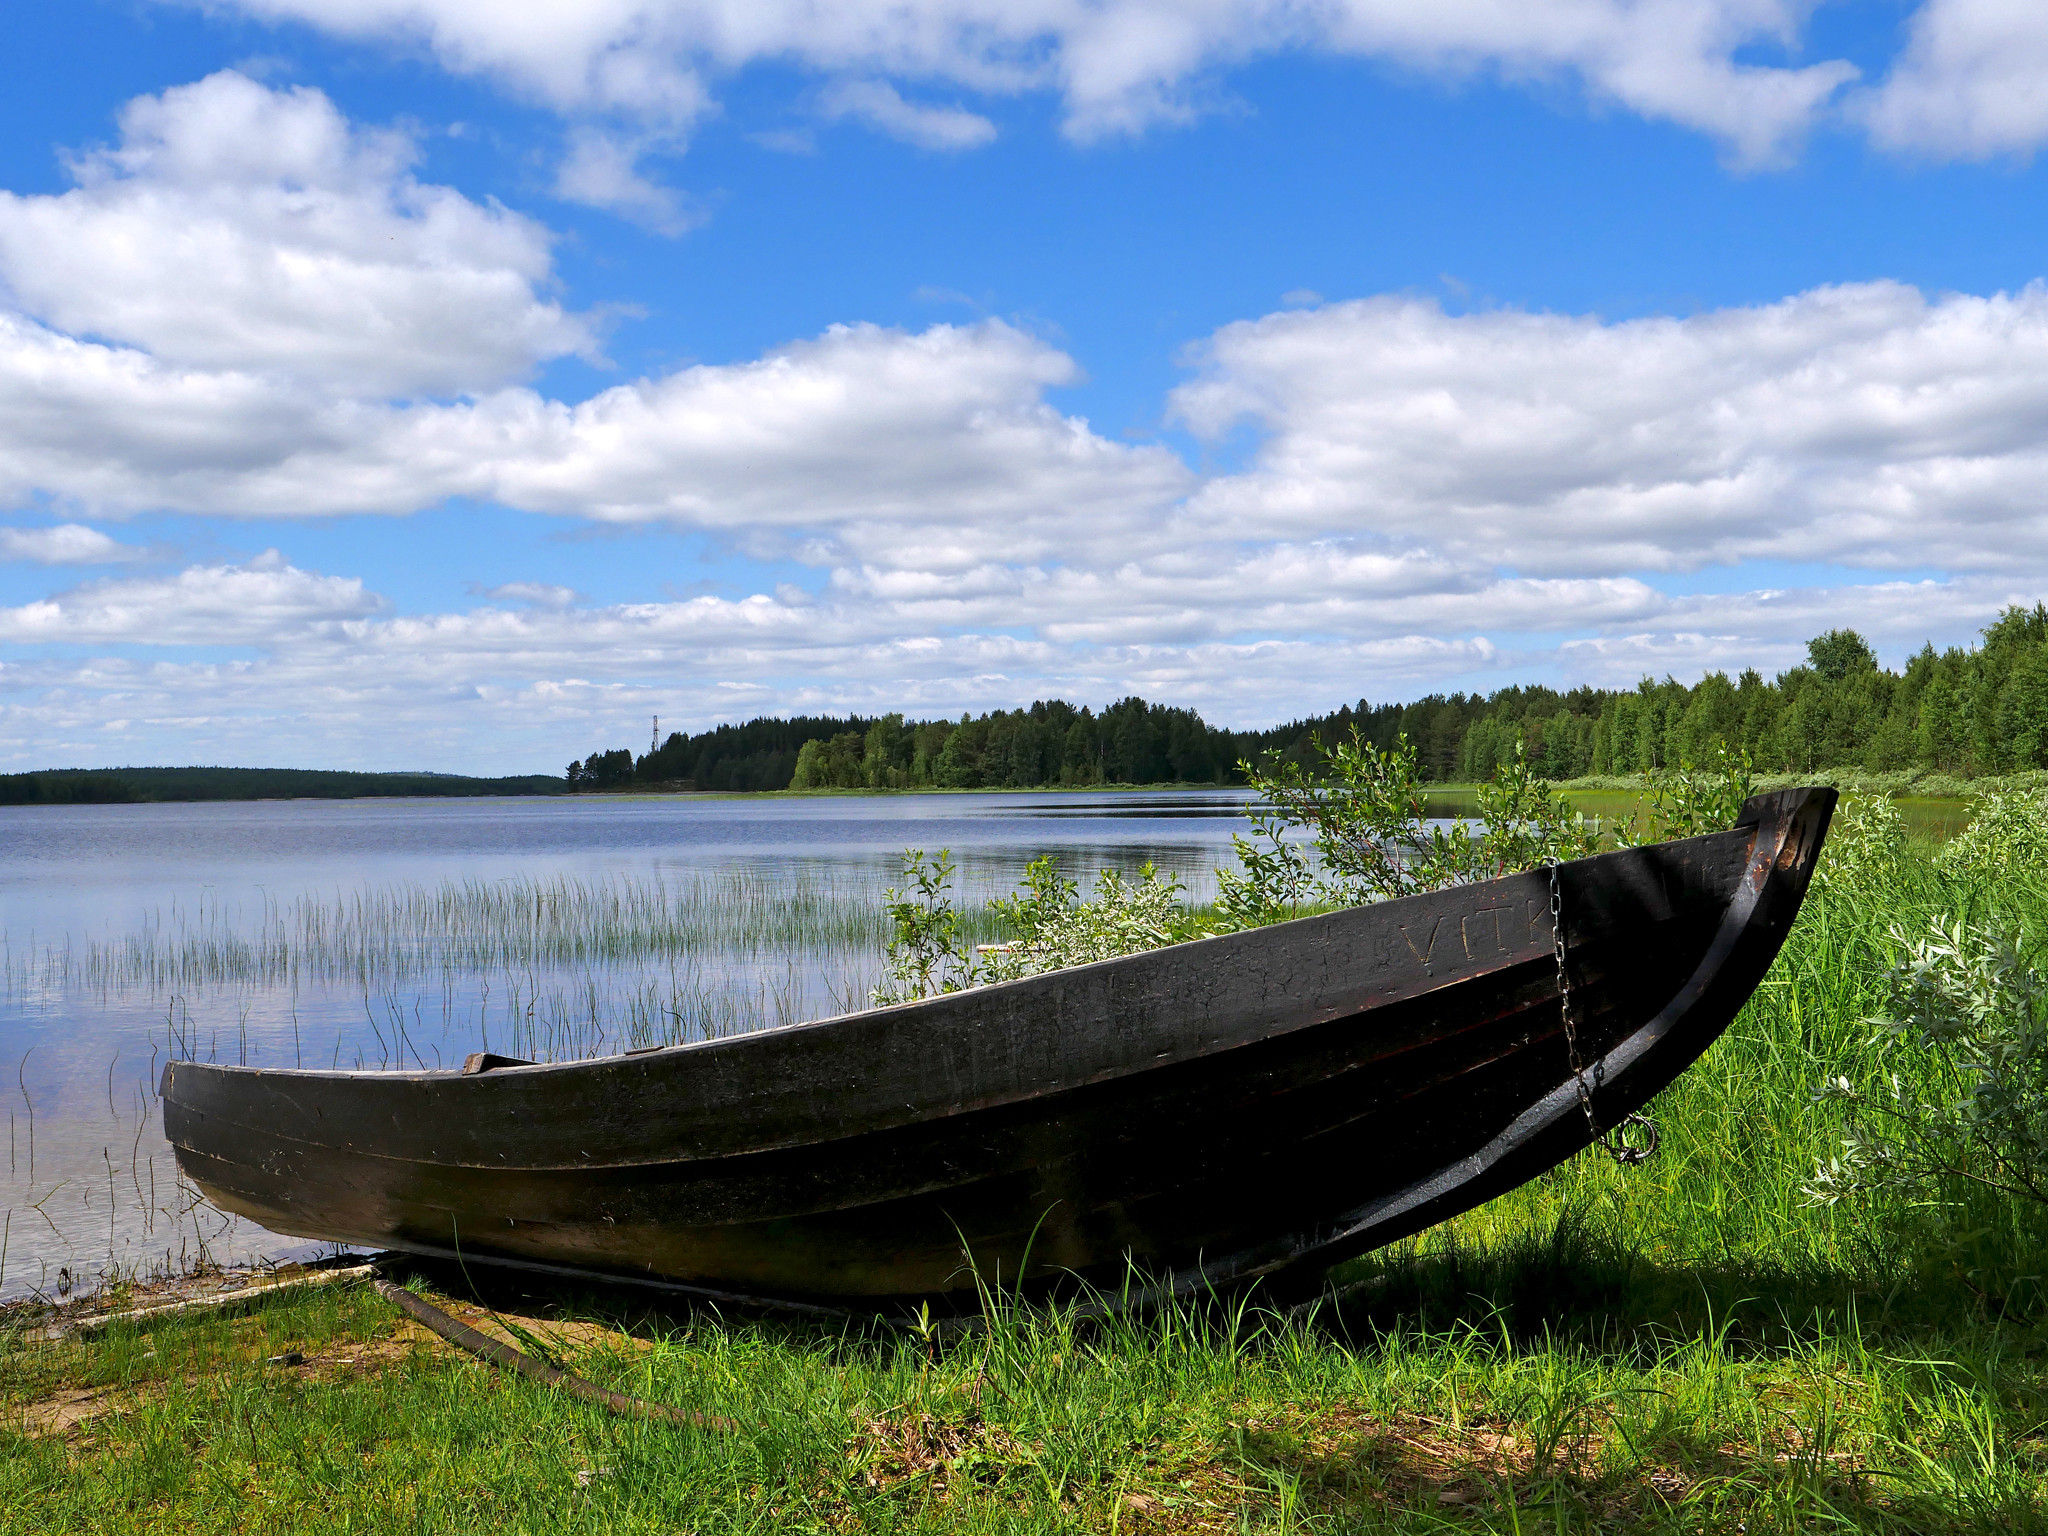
x=405, y=976
x=382, y=935
x=1690, y=1346
x=408, y=975
x=1930, y=816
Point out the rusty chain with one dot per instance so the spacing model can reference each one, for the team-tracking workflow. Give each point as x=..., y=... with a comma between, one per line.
x=1627, y=1154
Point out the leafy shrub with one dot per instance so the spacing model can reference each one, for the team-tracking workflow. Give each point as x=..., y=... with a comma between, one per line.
x=1865, y=846
x=1054, y=927
x=924, y=954
x=1964, y=1101
x=1688, y=801
x=1350, y=827
x=1366, y=833
x=2007, y=838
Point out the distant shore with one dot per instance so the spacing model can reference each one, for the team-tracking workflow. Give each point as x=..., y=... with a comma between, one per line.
x=130, y=786
x=662, y=792
x=124, y=786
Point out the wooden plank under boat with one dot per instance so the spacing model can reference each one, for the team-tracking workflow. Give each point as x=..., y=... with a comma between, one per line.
x=1270, y=1101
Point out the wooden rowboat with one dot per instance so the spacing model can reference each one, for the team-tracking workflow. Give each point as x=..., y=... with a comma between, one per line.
x=1271, y=1101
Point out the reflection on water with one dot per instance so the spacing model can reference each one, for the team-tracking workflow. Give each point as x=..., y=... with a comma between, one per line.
x=411, y=932
x=1934, y=820
x=1136, y=808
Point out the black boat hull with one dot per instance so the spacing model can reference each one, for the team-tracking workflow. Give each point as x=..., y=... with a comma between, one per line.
x=1283, y=1098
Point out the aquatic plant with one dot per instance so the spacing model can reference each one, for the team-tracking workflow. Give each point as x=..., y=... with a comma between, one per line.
x=398, y=932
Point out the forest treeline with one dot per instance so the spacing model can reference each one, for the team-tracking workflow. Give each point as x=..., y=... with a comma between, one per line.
x=1053, y=742
x=119, y=786
x=1965, y=711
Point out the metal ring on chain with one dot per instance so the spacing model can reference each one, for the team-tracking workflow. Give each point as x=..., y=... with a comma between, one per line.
x=1628, y=1153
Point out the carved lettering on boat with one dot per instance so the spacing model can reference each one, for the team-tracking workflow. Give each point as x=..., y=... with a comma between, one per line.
x=1429, y=948
x=1483, y=929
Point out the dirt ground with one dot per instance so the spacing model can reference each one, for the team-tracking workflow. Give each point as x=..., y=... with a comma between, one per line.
x=65, y=1410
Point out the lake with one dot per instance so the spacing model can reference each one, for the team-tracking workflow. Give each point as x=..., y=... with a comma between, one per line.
x=370, y=933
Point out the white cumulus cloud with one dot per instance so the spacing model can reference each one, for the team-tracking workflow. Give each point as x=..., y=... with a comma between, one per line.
x=239, y=229
x=494, y=689
x=66, y=544
x=941, y=438
x=881, y=106
x=602, y=170
x=1867, y=424
x=1118, y=65
x=938, y=443
x=265, y=601
x=541, y=594
x=1425, y=496
x=1972, y=82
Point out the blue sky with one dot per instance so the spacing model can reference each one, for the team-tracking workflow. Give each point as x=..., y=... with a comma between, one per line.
x=446, y=384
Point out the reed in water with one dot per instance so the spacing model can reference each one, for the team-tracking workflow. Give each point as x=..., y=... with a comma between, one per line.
x=399, y=932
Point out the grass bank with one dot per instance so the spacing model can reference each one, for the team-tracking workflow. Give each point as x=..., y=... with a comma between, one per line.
x=1687, y=1346
x=1929, y=817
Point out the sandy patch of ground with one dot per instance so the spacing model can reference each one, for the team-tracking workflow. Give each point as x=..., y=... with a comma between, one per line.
x=68, y=1410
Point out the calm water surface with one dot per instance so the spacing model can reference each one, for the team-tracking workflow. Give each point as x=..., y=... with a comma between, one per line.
x=386, y=932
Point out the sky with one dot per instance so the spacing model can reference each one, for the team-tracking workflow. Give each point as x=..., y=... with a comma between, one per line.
x=441, y=384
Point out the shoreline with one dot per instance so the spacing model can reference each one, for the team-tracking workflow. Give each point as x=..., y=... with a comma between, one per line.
x=1930, y=787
